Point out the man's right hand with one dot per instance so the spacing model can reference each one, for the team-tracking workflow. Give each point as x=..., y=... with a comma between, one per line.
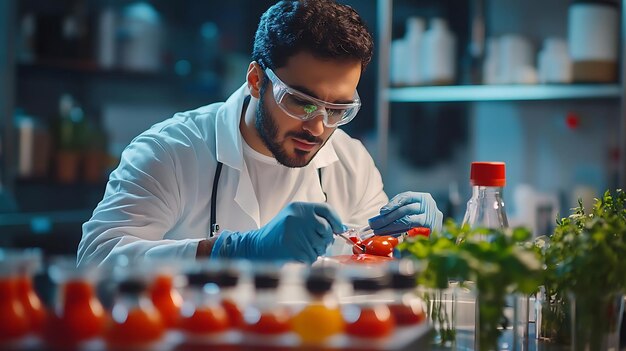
x=300, y=232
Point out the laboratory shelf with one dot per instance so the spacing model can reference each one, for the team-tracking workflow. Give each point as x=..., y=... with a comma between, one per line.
x=502, y=92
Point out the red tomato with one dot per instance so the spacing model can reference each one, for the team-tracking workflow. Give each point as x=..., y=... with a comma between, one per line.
x=380, y=245
x=361, y=259
x=419, y=231
x=357, y=241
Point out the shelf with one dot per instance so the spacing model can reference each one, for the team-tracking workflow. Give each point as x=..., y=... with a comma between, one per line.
x=90, y=68
x=41, y=221
x=503, y=92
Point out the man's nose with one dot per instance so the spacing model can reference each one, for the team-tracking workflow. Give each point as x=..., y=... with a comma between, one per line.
x=315, y=126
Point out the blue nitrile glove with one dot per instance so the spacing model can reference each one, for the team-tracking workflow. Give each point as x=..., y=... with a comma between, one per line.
x=405, y=211
x=300, y=232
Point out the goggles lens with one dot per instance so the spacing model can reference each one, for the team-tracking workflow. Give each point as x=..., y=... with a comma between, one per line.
x=304, y=107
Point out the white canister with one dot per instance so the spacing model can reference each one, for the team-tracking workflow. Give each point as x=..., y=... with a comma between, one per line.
x=438, y=54
x=554, y=62
x=593, y=32
x=414, y=34
x=140, y=37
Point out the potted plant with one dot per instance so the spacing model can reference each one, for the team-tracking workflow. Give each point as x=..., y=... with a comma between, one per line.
x=496, y=262
x=584, y=262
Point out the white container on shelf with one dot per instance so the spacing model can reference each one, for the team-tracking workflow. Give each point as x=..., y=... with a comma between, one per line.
x=555, y=65
x=397, y=71
x=491, y=66
x=438, y=48
x=593, y=32
x=516, y=60
x=413, y=40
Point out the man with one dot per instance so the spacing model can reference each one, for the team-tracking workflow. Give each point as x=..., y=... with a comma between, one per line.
x=269, y=165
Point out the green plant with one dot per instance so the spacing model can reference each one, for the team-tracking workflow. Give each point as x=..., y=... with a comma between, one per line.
x=499, y=262
x=584, y=259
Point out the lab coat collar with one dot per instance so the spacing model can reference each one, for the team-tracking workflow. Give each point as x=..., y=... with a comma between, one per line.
x=228, y=138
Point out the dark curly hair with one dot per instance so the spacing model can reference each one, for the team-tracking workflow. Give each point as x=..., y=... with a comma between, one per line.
x=323, y=28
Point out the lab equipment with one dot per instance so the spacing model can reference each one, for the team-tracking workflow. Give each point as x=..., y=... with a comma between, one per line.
x=304, y=107
x=486, y=207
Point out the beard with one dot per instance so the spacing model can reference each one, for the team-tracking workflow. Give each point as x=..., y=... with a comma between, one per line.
x=267, y=128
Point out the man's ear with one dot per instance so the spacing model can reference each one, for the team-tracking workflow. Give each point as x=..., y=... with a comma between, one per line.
x=255, y=77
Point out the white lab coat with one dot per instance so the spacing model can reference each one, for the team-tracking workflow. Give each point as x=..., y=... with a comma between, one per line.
x=157, y=202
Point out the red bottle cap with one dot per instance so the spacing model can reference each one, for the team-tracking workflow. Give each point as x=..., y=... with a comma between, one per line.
x=488, y=174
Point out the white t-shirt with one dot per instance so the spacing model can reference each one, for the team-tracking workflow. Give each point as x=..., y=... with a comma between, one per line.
x=269, y=179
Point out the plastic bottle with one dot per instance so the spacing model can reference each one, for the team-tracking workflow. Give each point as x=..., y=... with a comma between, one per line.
x=486, y=207
x=227, y=281
x=370, y=317
x=265, y=317
x=322, y=311
x=135, y=322
x=413, y=41
x=406, y=308
x=593, y=35
x=166, y=299
x=14, y=322
x=438, y=54
x=29, y=263
x=202, y=312
x=78, y=315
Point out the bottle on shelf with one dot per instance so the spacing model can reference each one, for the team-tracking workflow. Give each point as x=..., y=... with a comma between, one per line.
x=486, y=206
x=593, y=38
x=322, y=310
x=439, y=56
x=413, y=41
x=69, y=139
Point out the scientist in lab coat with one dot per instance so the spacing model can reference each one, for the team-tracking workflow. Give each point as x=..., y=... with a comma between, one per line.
x=268, y=167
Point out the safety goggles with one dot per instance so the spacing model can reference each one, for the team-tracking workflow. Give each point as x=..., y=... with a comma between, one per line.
x=305, y=107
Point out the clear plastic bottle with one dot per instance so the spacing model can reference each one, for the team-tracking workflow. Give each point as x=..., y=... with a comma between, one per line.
x=78, y=315
x=322, y=311
x=228, y=279
x=370, y=317
x=202, y=312
x=265, y=316
x=486, y=206
x=135, y=322
x=406, y=308
x=14, y=321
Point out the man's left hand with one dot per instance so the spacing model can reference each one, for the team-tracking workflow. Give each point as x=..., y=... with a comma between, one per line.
x=409, y=210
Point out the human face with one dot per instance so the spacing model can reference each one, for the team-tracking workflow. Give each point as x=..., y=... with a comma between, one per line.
x=294, y=141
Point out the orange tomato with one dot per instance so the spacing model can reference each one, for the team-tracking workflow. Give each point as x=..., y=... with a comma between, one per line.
x=328, y=321
x=166, y=299
x=14, y=321
x=33, y=306
x=139, y=327
x=206, y=320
